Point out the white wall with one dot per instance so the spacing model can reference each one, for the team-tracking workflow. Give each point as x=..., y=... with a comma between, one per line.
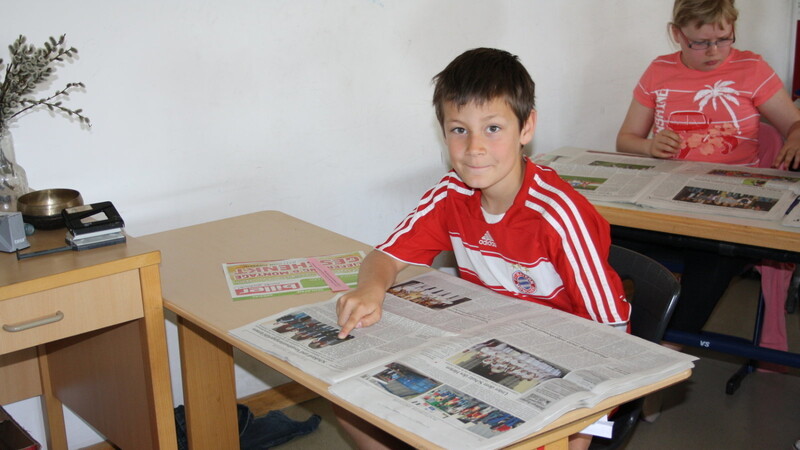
x=203, y=110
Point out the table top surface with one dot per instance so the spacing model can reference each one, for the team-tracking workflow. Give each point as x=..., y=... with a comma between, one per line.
x=193, y=281
x=19, y=277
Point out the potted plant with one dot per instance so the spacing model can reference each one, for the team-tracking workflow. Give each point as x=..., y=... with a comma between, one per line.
x=27, y=69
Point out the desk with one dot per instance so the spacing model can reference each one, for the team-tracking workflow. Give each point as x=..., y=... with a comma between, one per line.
x=106, y=358
x=728, y=236
x=195, y=289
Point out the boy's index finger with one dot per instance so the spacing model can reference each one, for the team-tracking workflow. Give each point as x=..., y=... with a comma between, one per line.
x=347, y=321
x=346, y=329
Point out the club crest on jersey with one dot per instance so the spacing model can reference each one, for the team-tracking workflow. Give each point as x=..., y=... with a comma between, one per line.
x=523, y=282
x=487, y=240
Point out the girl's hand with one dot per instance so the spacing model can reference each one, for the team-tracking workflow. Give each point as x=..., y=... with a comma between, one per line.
x=665, y=144
x=789, y=154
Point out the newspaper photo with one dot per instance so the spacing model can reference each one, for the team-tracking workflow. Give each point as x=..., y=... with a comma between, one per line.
x=259, y=279
x=463, y=366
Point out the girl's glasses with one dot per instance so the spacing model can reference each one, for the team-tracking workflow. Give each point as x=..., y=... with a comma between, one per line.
x=704, y=45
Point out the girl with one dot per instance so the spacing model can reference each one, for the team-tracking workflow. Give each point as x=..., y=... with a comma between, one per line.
x=704, y=102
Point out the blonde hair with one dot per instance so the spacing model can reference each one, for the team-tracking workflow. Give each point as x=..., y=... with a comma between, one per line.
x=703, y=12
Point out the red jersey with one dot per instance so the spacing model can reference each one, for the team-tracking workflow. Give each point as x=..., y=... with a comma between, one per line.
x=551, y=246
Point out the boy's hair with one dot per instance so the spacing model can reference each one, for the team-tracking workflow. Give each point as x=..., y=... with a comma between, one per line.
x=703, y=12
x=482, y=75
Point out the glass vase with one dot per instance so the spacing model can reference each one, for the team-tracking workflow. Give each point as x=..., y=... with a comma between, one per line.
x=13, y=181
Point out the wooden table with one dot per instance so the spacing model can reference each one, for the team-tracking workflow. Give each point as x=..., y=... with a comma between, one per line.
x=776, y=240
x=195, y=289
x=104, y=354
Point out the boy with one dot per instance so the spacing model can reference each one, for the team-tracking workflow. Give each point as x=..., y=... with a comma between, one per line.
x=514, y=227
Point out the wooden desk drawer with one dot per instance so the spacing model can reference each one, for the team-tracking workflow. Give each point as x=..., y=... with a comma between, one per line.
x=85, y=306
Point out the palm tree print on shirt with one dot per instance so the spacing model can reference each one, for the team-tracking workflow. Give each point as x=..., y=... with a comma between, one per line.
x=699, y=136
x=722, y=91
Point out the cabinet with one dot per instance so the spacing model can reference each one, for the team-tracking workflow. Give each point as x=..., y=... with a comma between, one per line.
x=85, y=329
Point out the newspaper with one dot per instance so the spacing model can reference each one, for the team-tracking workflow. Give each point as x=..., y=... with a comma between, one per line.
x=258, y=279
x=754, y=193
x=463, y=366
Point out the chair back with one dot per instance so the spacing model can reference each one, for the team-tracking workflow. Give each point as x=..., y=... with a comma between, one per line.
x=770, y=142
x=655, y=292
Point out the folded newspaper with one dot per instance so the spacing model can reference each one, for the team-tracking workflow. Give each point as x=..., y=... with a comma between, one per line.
x=259, y=279
x=691, y=186
x=461, y=365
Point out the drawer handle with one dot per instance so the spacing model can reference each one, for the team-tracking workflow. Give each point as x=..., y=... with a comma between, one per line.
x=34, y=323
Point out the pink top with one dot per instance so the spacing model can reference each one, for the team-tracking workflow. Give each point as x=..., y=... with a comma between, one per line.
x=714, y=112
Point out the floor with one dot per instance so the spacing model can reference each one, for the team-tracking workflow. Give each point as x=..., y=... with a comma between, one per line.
x=763, y=414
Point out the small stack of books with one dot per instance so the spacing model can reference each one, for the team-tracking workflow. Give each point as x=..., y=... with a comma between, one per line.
x=95, y=225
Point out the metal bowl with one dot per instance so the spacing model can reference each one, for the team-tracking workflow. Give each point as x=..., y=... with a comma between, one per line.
x=42, y=209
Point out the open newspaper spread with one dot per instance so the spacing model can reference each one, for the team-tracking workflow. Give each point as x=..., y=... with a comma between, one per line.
x=463, y=366
x=747, y=192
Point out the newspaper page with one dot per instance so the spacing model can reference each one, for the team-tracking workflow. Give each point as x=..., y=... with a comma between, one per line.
x=607, y=184
x=614, y=160
x=704, y=195
x=414, y=313
x=610, y=177
x=492, y=385
x=705, y=188
x=792, y=217
x=259, y=279
x=463, y=366
x=745, y=176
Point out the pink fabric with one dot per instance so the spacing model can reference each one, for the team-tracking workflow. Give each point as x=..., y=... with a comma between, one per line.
x=775, y=280
x=715, y=112
x=770, y=142
x=775, y=277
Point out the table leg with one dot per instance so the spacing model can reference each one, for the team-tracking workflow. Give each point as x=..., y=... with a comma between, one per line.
x=209, y=389
x=561, y=444
x=51, y=406
x=154, y=341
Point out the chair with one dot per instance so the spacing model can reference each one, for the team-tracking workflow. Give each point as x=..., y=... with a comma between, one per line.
x=655, y=294
x=770, y=142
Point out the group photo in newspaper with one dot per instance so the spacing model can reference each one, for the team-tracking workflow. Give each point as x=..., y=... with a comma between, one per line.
x=463, y=366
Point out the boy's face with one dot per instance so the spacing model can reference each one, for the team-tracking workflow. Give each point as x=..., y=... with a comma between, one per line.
x=484, y=143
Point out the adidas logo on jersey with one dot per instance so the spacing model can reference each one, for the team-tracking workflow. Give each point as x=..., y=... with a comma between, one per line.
x=487, y=240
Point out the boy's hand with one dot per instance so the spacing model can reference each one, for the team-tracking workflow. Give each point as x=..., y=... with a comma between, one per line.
x=357, y=309
x=363, y=306
x=665, y=144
